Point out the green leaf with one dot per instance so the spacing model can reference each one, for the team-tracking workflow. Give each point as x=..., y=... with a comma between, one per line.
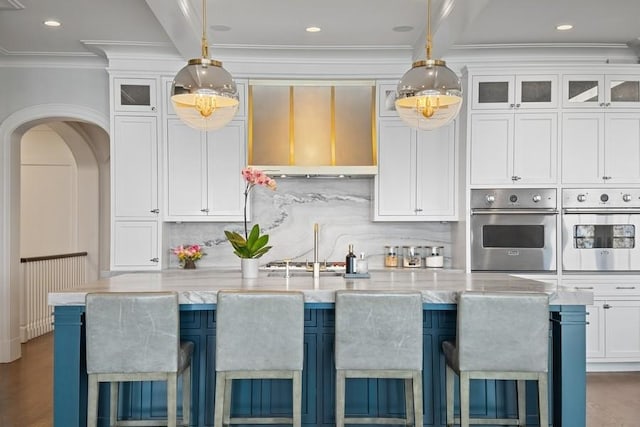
x=253, y=247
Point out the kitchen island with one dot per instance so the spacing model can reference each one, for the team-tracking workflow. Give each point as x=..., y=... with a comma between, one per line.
x=197, y=291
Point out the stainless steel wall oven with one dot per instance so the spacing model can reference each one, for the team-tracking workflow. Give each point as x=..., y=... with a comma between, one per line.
x=514, y=229
x=600, y=229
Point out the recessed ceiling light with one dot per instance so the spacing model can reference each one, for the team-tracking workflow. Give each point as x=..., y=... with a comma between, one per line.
x=313, y=29
x=564, y=27
x=402, y=28
x=52, y=23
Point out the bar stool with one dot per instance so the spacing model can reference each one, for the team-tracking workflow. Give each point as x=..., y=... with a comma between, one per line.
x=379, y=335
x=136, y=337
x=502, y=336
x=258, y=335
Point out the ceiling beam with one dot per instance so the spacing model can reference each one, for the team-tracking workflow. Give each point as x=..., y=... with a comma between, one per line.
x=182, y=23
x=449, y=20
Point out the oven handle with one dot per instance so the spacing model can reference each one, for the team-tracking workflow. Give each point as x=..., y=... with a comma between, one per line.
x=514, y=212
x=610, y=211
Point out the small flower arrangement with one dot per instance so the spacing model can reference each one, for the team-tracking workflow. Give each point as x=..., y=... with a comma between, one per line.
x=252, y=244
x=188, y=255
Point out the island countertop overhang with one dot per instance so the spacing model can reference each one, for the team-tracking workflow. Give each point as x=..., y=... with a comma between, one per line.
x=437, y=286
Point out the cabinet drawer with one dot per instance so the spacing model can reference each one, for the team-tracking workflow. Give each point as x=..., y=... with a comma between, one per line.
x=610, y=289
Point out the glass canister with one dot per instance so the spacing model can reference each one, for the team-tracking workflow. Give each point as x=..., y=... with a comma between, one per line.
x=433, y=257
x=411, y=257
x=390, y=256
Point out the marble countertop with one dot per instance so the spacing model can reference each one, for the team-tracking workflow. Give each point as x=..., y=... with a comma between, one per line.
x=437, y=286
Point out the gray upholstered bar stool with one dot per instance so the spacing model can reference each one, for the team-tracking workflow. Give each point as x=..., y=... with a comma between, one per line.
x=136, y=337
x=502, y=336
x=379, y=335
x=258, y=335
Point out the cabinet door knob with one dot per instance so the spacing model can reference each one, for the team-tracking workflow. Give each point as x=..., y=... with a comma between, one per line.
x=156, y=210
x=153, y=108
x=608, y=104
x=606, y=178
x=516, y=178
x=606, y=306
x=517, y=105
x=154, y=260
x=602, y=104
x=418, y=210
x=512, y=105
x=204, y=210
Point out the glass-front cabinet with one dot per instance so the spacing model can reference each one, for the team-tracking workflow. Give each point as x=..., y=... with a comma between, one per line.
x=515, y=91
x=134, y=95
x=601, y=91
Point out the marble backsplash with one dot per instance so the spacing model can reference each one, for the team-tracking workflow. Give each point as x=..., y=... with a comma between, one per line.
x=341, y=207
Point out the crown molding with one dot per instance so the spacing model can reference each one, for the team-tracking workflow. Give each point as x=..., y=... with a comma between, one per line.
x=526, y=53
x=51, y=59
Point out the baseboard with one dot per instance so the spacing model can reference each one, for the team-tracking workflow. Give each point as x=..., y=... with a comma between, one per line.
x=10, y=350
x=613, y=367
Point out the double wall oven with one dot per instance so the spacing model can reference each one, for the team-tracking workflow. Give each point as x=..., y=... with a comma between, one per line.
x=514, y=229
x=600, y=230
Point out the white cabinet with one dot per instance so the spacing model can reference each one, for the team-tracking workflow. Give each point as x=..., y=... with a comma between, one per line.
x=134, y=194
x=417, y=174
x=135, y=245
x=600, y=91
x=135, y=95
x=601, y=148
x=613, y=329
x=613, y=332
x=498, y=92
x=509, y=148
x=135, y=167
x=203, y=172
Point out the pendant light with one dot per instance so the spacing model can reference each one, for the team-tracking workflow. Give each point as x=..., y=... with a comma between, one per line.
x=429, y=94
x=203, y=93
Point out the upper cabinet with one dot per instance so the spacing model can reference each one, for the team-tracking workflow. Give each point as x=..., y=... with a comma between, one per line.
x=490, y=92
x=203, y=172
x=513, y=129
x=417, y=174
x=600, y=91
x=135, y=95
x=599, y=148
x=516, y=149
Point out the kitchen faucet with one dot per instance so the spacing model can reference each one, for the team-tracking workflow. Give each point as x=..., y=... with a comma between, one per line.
x=316, y=263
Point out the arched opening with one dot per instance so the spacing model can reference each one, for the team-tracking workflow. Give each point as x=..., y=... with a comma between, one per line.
x=85, y=133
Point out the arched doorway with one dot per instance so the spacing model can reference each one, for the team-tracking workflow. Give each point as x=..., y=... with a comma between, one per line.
x=86, y=133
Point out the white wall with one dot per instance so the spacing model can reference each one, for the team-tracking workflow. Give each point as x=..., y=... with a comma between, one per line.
x=48, y=195
x=31, y=96
x=25, y=87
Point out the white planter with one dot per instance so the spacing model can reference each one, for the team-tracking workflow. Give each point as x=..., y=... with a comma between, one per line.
x=249, y=267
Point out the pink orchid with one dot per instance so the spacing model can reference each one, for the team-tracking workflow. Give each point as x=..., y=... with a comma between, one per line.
x=254, y=177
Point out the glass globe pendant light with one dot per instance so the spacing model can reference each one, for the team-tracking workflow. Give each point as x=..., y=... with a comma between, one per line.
x=203, y=93
x=429, y=94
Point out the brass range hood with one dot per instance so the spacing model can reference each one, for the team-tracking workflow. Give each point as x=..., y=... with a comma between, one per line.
x=312, y=127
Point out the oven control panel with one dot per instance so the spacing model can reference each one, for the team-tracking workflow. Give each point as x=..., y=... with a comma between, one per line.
x=601, y=198
x=513, y=198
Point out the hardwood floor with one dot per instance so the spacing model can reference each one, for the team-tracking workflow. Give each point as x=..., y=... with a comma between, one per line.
x=613, y=399
x=26, y=386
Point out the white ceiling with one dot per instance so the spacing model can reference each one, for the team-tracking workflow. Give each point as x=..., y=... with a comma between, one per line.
x=281, y=23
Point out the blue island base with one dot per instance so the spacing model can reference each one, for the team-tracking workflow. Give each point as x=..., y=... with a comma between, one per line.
x=368, y=398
